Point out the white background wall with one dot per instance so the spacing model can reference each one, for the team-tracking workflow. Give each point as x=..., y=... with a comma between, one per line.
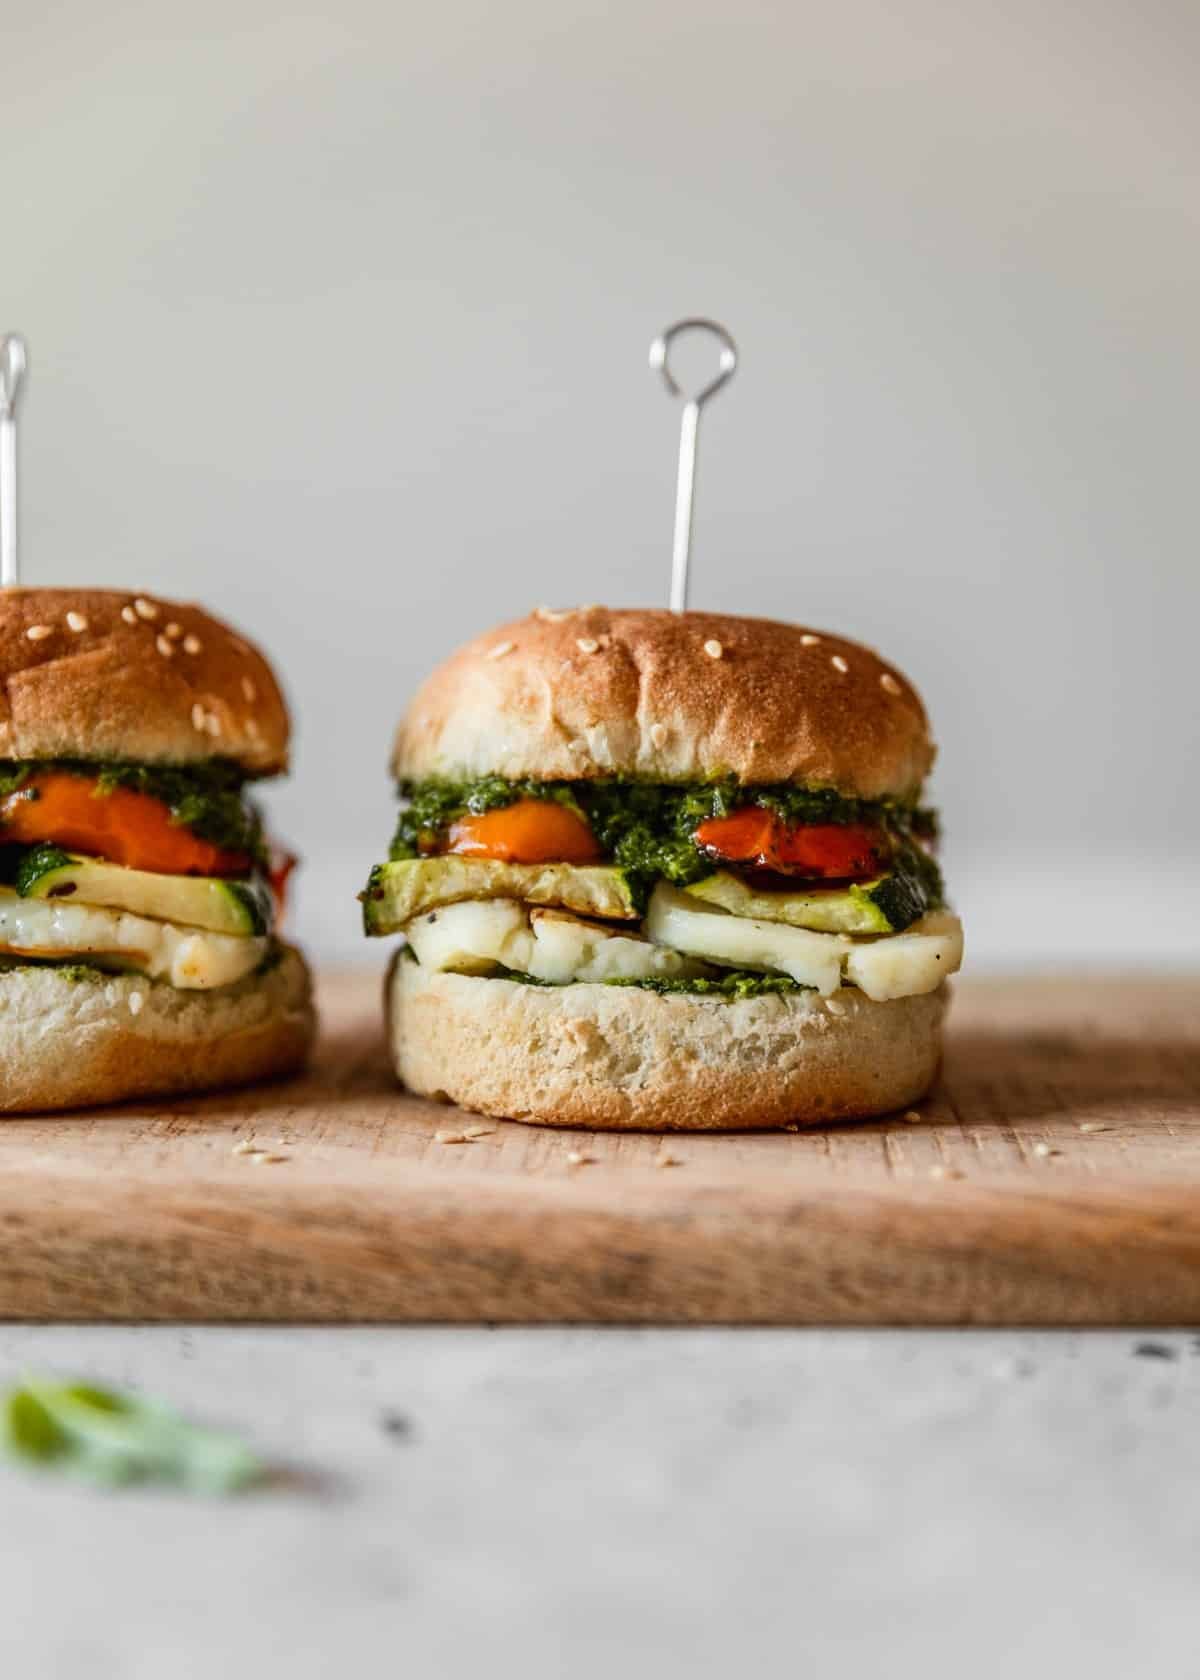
x=338, y=318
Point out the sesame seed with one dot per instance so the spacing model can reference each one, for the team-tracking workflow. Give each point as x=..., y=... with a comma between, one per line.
x=809, y=640
x=145, y=609
x=191, y=644
x=713, y=648
x=76, y=621
x=473, y=1132
x=576, y=1159
x=911, y=1115
x=658, y=734
x=1043, y=1151
x=450, y=1137
x=164, y=647
x=664, y=1158
x=586, y=644
x=136, y=1001
x=249, y=690
x=1093, y=1126
x=174, y=630
x=946, y=1172
x=888, y=682
x=213, y=724
x=500, y=649
x=264, y=1158
x=198, y=716
x=244, y=1147
x=839, y=664
x=128, y=614
x=39, y=632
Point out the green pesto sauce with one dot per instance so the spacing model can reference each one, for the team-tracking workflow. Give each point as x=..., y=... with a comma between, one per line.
x=83, y=973
x=76, y=972
x=208, y=799
x=738, y=983
x=646, y=828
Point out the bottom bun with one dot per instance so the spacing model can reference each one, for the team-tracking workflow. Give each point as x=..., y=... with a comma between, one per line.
x=75, y=1038
x=625, y=1058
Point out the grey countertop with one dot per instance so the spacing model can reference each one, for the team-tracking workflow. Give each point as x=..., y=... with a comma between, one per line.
x=682, y=1503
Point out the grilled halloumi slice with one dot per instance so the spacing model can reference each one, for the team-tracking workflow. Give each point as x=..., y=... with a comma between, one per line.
x=906, y=964
x=483, y=935
x=190, y=958
x=897, y=965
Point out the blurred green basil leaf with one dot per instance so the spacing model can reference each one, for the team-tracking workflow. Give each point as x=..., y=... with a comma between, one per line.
x=111, y=1439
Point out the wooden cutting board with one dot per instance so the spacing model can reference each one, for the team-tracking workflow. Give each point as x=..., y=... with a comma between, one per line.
x=1052, y=1178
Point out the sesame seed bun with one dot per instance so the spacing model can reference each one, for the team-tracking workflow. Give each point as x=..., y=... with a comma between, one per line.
x=668, y=697
x=620, y=1058
x=105, y=674
x=68, y=1042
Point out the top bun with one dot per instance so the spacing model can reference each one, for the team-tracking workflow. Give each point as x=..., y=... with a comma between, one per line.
x=590, y=692
x=105, y=674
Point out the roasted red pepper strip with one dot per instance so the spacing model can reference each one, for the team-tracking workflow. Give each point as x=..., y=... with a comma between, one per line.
x=531, y=831
x=122, y=826
x=758, y=839
x=279, y=869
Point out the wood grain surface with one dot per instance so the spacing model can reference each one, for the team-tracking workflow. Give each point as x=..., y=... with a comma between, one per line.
x=1053, y=1177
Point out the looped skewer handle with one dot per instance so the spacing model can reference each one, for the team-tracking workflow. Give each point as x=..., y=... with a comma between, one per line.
x=685, y=486
x=12, y=367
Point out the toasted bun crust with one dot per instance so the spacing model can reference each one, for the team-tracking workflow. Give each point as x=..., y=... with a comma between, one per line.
x=76, y=1043
x=600, y=692
x=617, y=1058
x=99, y=673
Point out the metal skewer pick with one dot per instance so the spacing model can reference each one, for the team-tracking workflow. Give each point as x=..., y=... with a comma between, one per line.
x=12, y=366
x=685, y=488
